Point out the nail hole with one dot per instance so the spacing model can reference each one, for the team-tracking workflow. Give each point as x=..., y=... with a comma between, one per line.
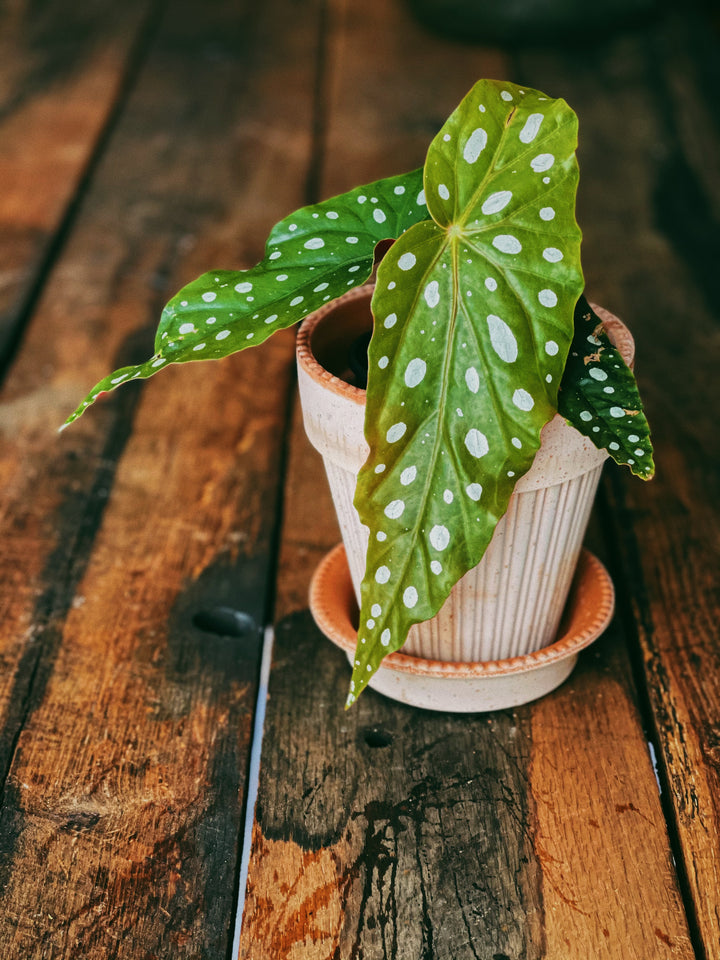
x=375, y=737
x=225, y=622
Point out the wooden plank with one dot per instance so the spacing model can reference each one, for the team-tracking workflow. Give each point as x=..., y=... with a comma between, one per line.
x=387, y=832
x=63, y=68
x=125, y=726
x=651, y=132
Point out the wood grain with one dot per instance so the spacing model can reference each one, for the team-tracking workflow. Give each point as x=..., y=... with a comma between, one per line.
x=388, y=832
x=650, y=127
x=125, y=726
x=63, y=71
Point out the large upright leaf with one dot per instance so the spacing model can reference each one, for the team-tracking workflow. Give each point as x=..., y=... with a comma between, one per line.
x=315, y=254
x=473, y=322
x=600, y=398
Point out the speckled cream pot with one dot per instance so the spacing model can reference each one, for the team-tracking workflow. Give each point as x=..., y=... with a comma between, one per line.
x=511, y=604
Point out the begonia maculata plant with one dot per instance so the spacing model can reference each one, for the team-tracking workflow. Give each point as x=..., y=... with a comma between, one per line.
x=481, y=335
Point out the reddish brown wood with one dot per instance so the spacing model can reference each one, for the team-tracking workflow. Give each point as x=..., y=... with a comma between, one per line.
x=125, y=728
x=390, y=832
x=650, y=202
x=63, y=70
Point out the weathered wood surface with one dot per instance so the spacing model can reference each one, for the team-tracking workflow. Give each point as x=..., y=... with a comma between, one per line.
x=650, y=200
x=386, y=832
x=389, y=832
x=126, y=702
x=64, y=70
x=127, y=688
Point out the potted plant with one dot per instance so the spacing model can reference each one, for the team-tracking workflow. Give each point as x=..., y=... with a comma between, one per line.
x=481, y=336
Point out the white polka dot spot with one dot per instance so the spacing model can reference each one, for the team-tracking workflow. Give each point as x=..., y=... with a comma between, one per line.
x=432, y=294
x=506, y=243
x=472, y=379
x=407, y=261
x=383, y=362
x=186, y=328
x=474, y=491
x=522, y=400
x=351, y=239
x=384, y=640
x=272, y=318
x=275, y=255
x=548, y=298
x=396, y=432
x=586, y=416
x=491, y=284
x=209, y=296
x=496, y=202
x=542, y=162
x=320, y=287
x=476, y=443
x=443, y=192
x=315, y=243
x=394, y=509
x=296, y=300
x=382, y=574
x=516, y=442
x=475, y=144
x=502, y=339
x=617, y=412
x=552, y=254
x=597, y=374
x=547, y=213
x=399, y=191
x=222, y=335
x=243, y=287
x=532, y=125
x=390, y=320
x=408, y=475
x=410, y=597
x=376, y=610
x=380, y=468
x=378, y=215
x=551, y=348
x=415, y=372
x=439, y=537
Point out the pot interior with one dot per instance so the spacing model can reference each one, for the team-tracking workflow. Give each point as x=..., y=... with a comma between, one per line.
x=331, y=339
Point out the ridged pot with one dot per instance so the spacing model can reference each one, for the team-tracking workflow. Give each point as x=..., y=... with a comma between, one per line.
x=512, y=602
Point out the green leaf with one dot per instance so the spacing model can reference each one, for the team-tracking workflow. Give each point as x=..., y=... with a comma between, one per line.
x=473, y=322
x=600, y=398
x=315, y=254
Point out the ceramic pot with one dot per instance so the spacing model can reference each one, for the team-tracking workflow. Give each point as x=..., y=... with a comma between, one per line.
x=511, y=604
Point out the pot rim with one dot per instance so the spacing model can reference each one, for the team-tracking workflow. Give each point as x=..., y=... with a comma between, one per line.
x=306, y=358
x=619, y=334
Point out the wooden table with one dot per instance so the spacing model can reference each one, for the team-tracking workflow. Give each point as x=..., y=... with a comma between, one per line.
x=146, y=550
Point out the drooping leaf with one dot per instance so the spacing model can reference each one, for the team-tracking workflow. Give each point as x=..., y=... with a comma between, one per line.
x=315, y=254
x=600, y=398
x=473, y=322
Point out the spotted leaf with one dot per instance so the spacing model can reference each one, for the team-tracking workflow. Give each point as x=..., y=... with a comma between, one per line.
x=473, y=323
x=316, y=254
x=600, y=398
